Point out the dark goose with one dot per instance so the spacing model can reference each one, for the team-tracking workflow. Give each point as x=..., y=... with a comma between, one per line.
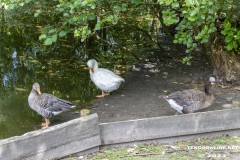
x=46, y=104
x=189, y=101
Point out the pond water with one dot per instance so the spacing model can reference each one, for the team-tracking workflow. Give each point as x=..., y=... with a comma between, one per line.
x=60, y=70
x=63, y=74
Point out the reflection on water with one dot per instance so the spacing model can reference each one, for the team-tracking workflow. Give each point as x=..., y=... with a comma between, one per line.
x=64, y=76
x=60, y=70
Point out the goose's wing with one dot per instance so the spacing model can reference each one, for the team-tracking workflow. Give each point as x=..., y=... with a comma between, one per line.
x=177, y=101
x=51, y=103
x=42, y=111
x=106, y=80
x=108, y=75
x=187, y=97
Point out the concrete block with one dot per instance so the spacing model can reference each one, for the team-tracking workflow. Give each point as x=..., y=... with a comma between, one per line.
x=55, y=142
x=169, y=126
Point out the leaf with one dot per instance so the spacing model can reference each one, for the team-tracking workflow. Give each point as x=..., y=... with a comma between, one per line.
x=189, y=2
x=203, y=2
x=93, y=6
x=36, y=14
x=180, y=39
x=115, y=20
x=48, y=41
x=175, y=41
x=84, y=3
x=65, y=14
x=21, y=4
x=54, y=38
x=187, y=51
x=229, y=38
x=169, y=21
x=42, y=36
x=194, y=45
x=77, y=33
x=175, y=4
x=229, y=47
x=91, y=16
x=62, y=33
x=204, y=40
x=52, y=31
x=38, y=11
x=168, y=2
x=191, y=18
x=97, y=26
x=124, y=7
x=210, y=3
x=136, y=1
x=75, y=19
x=194, y=12
x=203, y=16
x=211, y=30
x=11, y=6
x=235, y=46
x=197, y=37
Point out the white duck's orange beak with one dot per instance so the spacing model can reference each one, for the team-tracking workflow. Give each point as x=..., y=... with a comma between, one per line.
x=38, y=90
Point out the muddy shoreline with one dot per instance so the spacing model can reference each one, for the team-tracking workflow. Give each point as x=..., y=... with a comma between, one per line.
x=157, y=73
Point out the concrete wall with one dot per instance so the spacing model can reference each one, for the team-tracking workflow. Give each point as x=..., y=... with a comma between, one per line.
x=55, y=142
x=86, y=133
x=169, y=126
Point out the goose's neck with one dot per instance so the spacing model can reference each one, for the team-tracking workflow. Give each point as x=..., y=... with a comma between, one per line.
x=207, y=88
x=95, y=66
x=33, y=94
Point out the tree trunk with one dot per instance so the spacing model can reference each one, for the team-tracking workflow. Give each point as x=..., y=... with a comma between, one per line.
x=226, y=64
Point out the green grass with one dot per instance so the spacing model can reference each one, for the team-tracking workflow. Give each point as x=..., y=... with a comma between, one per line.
x=175, y=151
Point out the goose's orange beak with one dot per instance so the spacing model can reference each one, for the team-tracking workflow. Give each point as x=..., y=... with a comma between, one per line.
x=38, y=90
x=92, y=69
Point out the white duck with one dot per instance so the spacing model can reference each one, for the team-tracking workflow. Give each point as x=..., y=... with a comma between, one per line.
x=104, y=79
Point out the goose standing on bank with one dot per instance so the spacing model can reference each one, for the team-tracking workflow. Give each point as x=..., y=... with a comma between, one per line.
x=189, y=101
x=46, y=104
x=104, y=79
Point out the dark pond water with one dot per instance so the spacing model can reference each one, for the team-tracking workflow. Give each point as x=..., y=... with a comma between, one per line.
x=61, y=71
x=63, y=74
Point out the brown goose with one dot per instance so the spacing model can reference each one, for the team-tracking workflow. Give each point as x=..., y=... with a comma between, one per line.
x=47, y=105
x=189, y=101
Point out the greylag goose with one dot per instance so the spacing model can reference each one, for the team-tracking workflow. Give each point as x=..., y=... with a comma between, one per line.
x=189, y=101
x=104, y=79
x=46, y=104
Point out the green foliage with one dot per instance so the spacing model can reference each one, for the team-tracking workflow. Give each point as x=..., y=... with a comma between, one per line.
x=86, y=17
x=200, y=20
x=170, y=17
x=50, y=36
x=232, y=36
x=187, y=60
x=197, y=24
x=195, y=21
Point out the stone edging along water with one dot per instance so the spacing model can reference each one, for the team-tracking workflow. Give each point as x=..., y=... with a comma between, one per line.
x=87, y=134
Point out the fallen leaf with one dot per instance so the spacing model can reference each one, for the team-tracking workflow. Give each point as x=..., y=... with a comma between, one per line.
x=237, y=88
x=21, y=89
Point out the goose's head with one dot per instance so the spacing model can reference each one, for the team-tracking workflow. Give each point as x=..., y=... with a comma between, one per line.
x=92, y=64
x=212, y=79
x=36, y=87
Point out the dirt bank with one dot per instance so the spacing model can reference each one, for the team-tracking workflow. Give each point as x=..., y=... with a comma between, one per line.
x=159, y=73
